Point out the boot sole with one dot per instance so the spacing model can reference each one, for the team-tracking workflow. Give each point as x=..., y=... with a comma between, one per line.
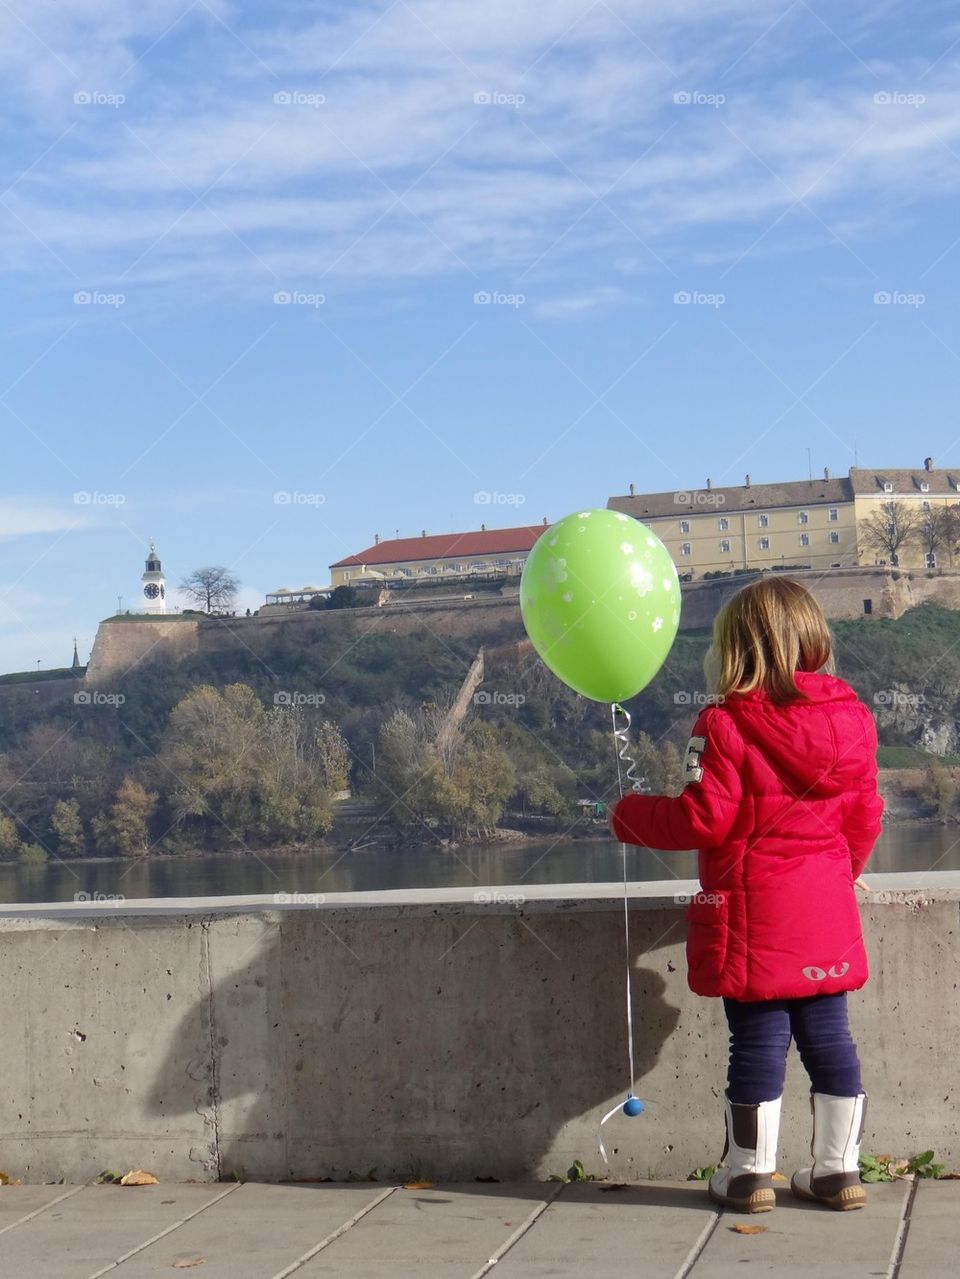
x=844, y=1200
x=757, y=1201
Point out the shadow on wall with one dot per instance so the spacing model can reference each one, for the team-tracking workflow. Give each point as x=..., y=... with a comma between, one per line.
x=448, y=1045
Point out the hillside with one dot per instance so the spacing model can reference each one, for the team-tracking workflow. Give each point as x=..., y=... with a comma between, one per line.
x=201, y=769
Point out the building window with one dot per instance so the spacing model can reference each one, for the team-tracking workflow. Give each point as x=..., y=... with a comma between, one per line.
x=834, y=536
x=931, y=559
x=764, y=543
x=804, y=539
x=684, y=526
x=723, y=523
x=924, y=486
x=925, y=505
x=684, y=548
x=803, y=517
x=763, y=521
x=887, y=486
x=724, y=546
x=833, y=514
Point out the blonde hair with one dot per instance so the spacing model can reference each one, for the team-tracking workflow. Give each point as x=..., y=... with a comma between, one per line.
x=766, y=632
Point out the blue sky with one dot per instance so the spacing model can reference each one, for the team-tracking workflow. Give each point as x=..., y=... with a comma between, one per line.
x=181, y=165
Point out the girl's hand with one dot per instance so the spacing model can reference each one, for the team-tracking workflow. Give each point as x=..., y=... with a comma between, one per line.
x=860, y=883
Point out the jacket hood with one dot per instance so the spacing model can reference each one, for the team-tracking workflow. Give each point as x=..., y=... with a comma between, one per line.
x=807, y=742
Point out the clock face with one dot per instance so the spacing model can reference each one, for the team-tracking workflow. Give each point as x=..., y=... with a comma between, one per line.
x=151, y=590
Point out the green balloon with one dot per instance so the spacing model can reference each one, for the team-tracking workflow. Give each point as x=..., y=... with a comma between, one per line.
x=600, y=598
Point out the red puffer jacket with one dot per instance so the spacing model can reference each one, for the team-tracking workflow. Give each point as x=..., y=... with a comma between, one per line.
x=782, y=803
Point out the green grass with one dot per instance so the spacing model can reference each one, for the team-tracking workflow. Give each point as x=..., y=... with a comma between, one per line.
x=31, y=677
x=153, y=617
x=910, y=757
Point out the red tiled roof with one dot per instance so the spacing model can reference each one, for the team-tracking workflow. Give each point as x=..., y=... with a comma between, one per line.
x=439, y=546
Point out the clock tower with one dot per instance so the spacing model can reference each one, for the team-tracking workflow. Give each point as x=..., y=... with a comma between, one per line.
x=154, y=584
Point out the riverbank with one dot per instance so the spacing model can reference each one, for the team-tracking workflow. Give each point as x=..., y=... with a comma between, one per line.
x=905, y=809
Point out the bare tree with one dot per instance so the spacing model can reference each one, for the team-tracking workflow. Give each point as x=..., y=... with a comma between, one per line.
x=212, y=588
x=951, y=529
x=937, y=532
x=889, y=529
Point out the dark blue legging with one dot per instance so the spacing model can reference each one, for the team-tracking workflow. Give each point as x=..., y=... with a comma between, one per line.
x=760, y=1040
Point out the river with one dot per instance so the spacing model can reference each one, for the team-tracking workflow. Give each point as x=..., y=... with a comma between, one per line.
x=564, y=861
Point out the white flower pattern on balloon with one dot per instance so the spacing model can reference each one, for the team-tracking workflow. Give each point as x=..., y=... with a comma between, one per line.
x=627, y=548
x=657, y=623
x=641, y=579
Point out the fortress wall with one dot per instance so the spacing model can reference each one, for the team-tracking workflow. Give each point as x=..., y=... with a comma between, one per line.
x=122, y=646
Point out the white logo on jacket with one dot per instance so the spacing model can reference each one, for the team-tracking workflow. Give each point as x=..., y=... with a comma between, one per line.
x=813, y=973
x=692, y=772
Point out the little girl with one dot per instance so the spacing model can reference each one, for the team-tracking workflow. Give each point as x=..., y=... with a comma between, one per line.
x=780, y=797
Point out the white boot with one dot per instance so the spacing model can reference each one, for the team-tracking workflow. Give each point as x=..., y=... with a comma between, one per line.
x=745, y=1183
x=834, y=1178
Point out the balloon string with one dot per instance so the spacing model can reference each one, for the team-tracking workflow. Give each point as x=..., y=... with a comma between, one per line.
x=638, y=785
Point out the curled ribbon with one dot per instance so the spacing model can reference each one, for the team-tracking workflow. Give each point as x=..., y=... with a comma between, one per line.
x=622, y=742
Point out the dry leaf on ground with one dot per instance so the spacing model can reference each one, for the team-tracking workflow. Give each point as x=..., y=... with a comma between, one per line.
x=184, y=1263
x=749, y=1230
x=137, y=1177
x=420, y=1185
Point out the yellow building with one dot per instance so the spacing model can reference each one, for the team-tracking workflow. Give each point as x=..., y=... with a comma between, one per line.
x=818, y=524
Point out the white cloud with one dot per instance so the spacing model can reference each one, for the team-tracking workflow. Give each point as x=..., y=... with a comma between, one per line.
x=400, y=174
x=576, y=304
x=25, y=516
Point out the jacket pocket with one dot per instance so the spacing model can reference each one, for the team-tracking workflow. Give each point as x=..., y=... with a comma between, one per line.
x=708, y=932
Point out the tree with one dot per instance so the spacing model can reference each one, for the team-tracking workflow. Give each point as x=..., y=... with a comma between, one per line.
x=125, y=829
x=672, y=763
x=334, y=755
x=243, y=772
x=481, y=782
x=404, y=763
x=67, y=827
x=342, y=596
x=10, y=842
x=948, y=526
x=939, y=789
x=936, y=532
x=463, y=788
x=212, y=588
x=888, y=530
x=544, y=787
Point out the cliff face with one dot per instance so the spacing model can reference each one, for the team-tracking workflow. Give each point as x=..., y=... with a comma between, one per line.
x=926, y=722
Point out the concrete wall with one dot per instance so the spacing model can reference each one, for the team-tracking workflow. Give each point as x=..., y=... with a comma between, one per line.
x=455, y=1033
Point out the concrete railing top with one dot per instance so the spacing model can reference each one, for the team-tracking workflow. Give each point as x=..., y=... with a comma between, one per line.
x=497, y=898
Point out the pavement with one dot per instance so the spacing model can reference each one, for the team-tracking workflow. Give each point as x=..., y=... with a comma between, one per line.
x=356, y=1230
